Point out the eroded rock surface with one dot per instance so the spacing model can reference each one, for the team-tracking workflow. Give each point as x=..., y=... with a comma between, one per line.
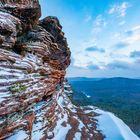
x=34, y=56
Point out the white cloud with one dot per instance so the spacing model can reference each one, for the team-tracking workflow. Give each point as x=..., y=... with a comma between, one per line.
x=119, y=9
x=82, y=61
x=136, y=28
x=98, y=24
x=133, y=35
x=122, y=23
x=88, y=18
x=116, y=35
x=132, y=39
x=129, y=36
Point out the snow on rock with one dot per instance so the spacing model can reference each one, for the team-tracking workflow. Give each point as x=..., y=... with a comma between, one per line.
x=77, y=136
x=34, y=55
x=20, y=135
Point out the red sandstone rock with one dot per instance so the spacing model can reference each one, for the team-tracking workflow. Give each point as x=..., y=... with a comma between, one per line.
x=33, y=58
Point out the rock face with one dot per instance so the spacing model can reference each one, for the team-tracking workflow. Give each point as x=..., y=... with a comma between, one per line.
x=33, y=58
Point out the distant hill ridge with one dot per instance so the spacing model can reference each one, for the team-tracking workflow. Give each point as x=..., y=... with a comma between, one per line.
x=99, y=79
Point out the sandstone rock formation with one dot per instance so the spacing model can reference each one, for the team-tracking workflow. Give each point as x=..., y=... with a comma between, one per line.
x=34, y=56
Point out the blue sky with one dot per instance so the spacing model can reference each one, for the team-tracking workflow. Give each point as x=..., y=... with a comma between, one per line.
x=103, y=35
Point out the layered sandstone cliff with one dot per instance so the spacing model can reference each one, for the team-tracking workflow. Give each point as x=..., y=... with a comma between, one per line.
x=34, y=56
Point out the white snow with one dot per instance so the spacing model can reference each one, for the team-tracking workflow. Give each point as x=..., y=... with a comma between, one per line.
x=77, y=136
x=20, y=135
x=88, y=96
x=114, y=128
x=124, y=129
x=61, y=132
x=37, y=131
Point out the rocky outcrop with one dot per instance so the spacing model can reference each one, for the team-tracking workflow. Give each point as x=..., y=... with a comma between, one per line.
x=34, y=56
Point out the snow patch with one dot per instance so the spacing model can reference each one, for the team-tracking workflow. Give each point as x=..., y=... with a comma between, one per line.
x=88, y=96
x=113, y=128
x=20, y=135
x=77, y=136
